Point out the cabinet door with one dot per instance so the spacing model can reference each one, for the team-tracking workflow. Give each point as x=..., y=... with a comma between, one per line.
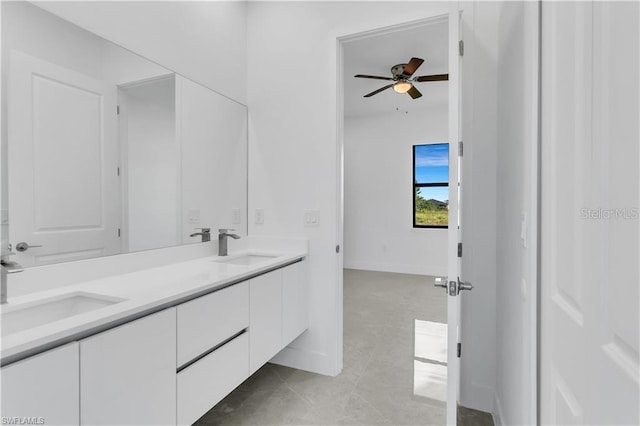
x=128, y=374
x=295, y=306
x=45, y=386
x=265, y=324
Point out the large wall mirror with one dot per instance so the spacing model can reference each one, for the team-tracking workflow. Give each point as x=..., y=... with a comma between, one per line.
x=106, y=152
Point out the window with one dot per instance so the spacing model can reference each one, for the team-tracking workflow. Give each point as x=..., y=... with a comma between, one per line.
x=431, y=185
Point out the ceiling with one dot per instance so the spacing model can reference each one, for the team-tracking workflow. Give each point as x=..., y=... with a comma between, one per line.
x=375, y=55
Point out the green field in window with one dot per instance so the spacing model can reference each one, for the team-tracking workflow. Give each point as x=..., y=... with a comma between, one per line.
x=432, y=217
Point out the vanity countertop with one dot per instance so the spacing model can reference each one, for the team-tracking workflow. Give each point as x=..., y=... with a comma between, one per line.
x=143, y=292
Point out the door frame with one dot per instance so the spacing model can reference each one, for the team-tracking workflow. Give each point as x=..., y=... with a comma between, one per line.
x=339, y=41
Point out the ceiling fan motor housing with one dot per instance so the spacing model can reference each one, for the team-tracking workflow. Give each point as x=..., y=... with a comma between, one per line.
x=398, y=70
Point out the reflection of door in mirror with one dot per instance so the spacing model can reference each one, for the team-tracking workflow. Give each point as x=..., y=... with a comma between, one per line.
x=150, y=164
x=64, y=195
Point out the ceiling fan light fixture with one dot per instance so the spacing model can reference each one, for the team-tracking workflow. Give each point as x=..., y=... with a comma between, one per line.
x=402, y=86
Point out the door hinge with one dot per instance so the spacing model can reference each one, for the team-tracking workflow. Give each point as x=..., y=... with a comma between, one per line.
x=338, y=248
x=118, y=171
x=459, y=349
x=118, y=109
x=118, y=232
x=461, y=47
x=460, y=148
x=459, y=249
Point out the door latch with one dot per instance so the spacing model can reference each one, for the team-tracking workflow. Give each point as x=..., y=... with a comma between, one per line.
x=453, y=287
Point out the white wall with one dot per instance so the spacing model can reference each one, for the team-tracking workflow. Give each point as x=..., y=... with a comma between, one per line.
x=293, y=151
x=516, y=204
x=204, y=41
x=378, y=193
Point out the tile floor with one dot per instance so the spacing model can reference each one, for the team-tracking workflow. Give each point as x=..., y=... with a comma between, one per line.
x=383, y=376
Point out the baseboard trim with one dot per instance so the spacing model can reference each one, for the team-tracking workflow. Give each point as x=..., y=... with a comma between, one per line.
x=431, y=270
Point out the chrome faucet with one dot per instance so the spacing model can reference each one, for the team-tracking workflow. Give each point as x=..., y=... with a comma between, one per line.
x=7, y=267
x=205, y=232
x=222, y=240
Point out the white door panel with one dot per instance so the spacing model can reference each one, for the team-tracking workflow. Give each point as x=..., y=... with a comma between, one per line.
x=454, y=268
x=590, y=184
x=63, y=188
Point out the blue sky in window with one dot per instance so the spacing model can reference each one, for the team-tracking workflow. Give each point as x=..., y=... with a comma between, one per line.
x=432, y=163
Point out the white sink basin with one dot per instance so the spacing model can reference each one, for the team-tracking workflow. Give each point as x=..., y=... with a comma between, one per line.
x=33, y=314
x=247, y=259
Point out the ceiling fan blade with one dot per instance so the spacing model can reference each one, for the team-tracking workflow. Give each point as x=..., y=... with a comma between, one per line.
x=414, y=93
x=435, y=77
x=412, y=66
x=373, y=76
x=375, y=92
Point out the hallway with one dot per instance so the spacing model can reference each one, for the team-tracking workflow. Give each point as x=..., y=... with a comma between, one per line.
x=383, y=376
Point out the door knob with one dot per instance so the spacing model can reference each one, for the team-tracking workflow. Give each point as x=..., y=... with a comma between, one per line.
x=464, y=285
x=22, y=247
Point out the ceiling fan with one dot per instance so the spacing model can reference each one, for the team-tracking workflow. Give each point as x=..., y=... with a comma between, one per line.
x=402, y=81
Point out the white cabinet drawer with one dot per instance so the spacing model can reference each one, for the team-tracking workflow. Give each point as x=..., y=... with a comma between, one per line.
x=209, y=320
x=206, y=382
x=45, y=386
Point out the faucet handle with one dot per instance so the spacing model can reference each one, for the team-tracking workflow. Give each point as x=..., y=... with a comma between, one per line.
x=225, y=230
x=205, y=230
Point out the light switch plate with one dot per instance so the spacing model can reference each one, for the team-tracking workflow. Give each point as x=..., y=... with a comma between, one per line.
x=193, y=216
x=259, y=219
x=236, y=217
x=311, y=218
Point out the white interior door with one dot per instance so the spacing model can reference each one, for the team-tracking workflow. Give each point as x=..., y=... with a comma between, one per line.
x=454, y=268
x=63, y=158
x=590, y=192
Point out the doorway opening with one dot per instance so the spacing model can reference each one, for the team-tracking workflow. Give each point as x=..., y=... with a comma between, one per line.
x=394, y=189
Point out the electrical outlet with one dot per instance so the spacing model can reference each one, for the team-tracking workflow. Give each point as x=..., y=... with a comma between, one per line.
x=193, y=216
x=259, y=219
x=235, y=216
x=311, y=218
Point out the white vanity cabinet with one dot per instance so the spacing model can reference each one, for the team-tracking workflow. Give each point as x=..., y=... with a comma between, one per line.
x=44, y=386
x=128, y=373
x=295, y=304
x=265, y=325
x=168, y=367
